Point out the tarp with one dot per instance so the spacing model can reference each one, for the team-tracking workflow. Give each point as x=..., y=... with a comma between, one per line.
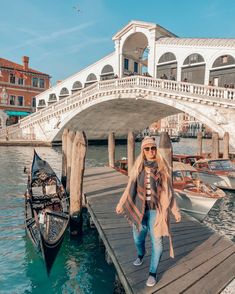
x=16, y=113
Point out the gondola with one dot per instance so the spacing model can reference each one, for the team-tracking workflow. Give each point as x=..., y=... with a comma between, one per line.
x=46, y=210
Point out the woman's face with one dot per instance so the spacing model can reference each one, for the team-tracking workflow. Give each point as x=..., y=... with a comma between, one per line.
x=150, y=152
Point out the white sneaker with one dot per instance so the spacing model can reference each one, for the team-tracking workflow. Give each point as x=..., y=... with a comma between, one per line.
x=138, y=261
x=151, y=281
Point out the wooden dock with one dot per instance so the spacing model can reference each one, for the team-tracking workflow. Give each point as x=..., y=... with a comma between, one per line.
x=204, y=261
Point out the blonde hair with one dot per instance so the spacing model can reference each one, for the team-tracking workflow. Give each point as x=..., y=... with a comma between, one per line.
x=138, y=166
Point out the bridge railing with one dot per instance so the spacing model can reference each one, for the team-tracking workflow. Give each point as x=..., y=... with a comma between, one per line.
x=208, y=92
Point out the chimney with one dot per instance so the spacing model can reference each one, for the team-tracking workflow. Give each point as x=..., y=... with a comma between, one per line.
x=25, y=60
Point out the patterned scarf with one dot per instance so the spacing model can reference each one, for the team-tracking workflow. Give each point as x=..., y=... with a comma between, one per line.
x=134, y=205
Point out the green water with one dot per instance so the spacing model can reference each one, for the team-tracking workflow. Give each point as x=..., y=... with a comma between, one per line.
x=80, y=266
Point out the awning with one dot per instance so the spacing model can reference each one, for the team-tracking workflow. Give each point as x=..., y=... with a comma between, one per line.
x=16, y=113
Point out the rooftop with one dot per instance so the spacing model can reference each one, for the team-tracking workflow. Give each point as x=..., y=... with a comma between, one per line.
x=4, y=63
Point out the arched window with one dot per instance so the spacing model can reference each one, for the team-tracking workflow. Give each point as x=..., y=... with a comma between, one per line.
x=193, y=69
x=64, y=93
x=76, y=86
x=52, y=98
x=107, y=73
x=166, y=57
x=193, y=58
x=167, y=67
x=222, y=73
x=224, y=60
x=91, y=78
x=41, y=103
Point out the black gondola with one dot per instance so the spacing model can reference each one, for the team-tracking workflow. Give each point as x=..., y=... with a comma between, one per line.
x=46, y=210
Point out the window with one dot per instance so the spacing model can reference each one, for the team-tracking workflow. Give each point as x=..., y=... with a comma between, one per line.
x=42, y=83
x=224, y=58
x=126, y=63
x=20, y=81
x=35, y=82
x=12, y=79
x=12, y=100
x=33, y=102
x=20, y=100
x=136, y=67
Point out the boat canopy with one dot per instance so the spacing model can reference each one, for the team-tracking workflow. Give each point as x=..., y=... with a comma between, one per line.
x=182, y=166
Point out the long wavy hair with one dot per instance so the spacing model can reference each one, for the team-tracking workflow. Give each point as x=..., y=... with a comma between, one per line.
x=164, y=168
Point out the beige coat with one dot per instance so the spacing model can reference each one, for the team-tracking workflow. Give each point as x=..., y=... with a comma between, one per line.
x=167, y=204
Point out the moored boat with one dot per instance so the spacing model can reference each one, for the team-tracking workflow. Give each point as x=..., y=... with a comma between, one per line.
x=46, y=210
x=192, y=195
x=219, y=172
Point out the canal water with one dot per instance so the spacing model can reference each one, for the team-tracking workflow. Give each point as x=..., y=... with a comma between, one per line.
x=80, y=267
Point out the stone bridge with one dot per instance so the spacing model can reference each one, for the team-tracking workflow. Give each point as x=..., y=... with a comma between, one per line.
x=129, y=103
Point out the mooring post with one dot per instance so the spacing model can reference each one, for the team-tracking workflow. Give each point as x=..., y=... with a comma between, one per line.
x=79, y=149
x=111, y=149
x=70, y=138
x=199, y=143
x=165, y=149
x=64, y=158
x=226, y=145
x=215, y=145
x=130, y=150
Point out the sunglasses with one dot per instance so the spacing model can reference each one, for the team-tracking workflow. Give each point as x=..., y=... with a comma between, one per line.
x=153, y=148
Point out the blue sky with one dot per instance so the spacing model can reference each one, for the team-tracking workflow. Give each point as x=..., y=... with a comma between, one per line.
x=60, y=41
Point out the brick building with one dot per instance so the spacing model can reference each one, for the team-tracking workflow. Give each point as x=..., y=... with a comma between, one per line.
x=19, y=85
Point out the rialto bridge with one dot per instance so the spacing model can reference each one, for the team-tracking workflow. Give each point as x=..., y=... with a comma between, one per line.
x=150, y=75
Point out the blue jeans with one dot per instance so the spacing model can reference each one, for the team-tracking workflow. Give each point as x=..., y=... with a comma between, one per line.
x=156, y=242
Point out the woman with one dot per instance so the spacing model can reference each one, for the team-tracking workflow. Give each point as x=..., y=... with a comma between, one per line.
x=146, y=202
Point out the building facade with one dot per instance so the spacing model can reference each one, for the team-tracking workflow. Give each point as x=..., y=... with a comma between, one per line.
x=185, y=125
x=19, y=84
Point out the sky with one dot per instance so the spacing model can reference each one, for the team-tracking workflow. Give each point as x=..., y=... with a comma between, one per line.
x=62, y=37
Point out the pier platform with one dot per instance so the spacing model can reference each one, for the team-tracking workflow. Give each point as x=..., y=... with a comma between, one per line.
x=204, y=260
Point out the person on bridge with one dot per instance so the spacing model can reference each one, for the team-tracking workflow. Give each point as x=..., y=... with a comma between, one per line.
x=146, y=202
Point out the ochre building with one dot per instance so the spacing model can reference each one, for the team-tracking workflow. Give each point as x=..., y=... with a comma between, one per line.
x=19, y=84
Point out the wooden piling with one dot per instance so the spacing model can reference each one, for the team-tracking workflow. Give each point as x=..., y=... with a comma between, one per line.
x=226, y=145
x=79, y=149
x=215, y=145
x=111, y=149
x=165, y=149
x=64, y=158
x=70, y=138
x=199, y=143
x=130, y=150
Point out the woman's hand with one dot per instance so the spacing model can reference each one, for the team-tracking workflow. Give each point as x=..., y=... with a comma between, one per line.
x=178, y=218
x=119, y=209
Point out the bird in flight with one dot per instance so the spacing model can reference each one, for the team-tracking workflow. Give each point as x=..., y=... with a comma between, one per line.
x=77, y=9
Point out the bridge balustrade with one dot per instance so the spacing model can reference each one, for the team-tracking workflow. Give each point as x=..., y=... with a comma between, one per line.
x=82, y=96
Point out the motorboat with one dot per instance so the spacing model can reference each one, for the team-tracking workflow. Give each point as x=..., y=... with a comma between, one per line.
x=219, y=172
x=192, y=195
x=187, y=159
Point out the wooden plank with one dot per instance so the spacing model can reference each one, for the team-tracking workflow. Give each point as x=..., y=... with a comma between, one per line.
x=219, y=276
x=194, y=275
x=122, y=277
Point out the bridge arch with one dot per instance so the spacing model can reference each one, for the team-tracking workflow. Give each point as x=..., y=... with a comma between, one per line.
x=135, y=54
x=76, y=86
x=91, y=78
x=41, y=103
x=52, y=98
x=222, y=72
x=107, y=72
x=193, y=69
x=64, y=92
x=123, y=114
x=167, y=66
